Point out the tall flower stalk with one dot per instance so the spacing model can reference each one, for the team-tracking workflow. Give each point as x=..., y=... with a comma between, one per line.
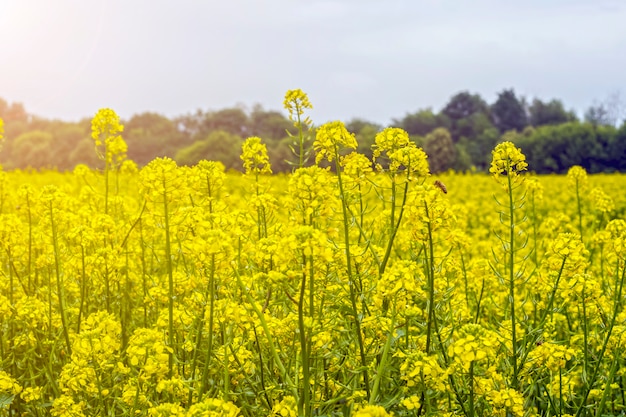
x=509, y=162
x=296, y=101
x=106, y=132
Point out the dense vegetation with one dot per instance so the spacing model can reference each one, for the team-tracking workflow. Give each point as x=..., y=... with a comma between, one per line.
x=459, y=136
x=375, y=290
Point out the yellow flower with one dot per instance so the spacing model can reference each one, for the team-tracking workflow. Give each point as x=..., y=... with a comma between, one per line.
x=371, y=411
x=288, y=407
x=64, y=406
x=295, y=102
x=577, y=176
x=402, y=153
x=31, y=394
x=9, y=385
x=254, y=156
x=105, y=131
x=213, y=407
x=507, y=160
x=330, y=139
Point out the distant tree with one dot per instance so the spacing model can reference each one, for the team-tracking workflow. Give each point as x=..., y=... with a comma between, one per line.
x=151, y=135
x=365, y=133
x=550, y=113
x=468, y=115
x=440, y=149
x=555, y=148
x=479, y=148
x=421, y=122
x=611, y=111
x=233, y=120
x=597, y=114
x=218, y=146
x=279, y=153
x=32, y=149
x=616, y=149
x=463, y=105
x=268, y=125
x=508, y=112
x=83, y=153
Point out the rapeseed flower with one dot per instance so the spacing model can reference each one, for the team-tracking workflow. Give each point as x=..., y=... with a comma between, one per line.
x=254, y=156
x=330, y=139
x=296, y=101
x=507, y=160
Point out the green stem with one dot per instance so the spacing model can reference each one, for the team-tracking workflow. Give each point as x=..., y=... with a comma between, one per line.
x=209, y=351
x=380, y=371
x=511, y=266
x=170, y=275
x=60, y=289
x=619, y=285
x=355, y=293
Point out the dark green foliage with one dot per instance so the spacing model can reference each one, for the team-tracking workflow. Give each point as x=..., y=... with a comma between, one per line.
x=551, y=137
x=508, y=113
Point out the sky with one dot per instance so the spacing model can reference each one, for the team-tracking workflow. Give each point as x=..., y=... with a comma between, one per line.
x=376, y=60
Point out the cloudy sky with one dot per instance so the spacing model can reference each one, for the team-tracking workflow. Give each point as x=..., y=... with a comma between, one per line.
x=355, y=58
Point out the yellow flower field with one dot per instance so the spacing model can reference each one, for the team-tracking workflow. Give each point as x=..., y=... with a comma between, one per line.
x=370, y=289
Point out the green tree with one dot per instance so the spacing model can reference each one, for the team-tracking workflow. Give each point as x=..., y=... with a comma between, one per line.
x=218, y=146
x=422, y=122
x=83, y=153
x=440, y=149
x=151, y=135
x=508, y=112
x=233, y=120
x=269, y=125
x=550, y=113
x=365, y=133
x=468, y=115
x=479, y=148
x=32, y=149
x=597, y=115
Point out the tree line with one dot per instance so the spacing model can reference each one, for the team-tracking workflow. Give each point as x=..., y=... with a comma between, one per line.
x=460, y=136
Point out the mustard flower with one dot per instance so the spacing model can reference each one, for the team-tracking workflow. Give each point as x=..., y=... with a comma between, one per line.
x=601, y=201
x=295, y=102
x=421, y=370
x=9, y=385
x=551, y=356
x=147, y=351
x=567, y=248
x=577, y=176
x=411, y=403
x=254, y=156
x=106, y=132
x=213, y=407
x=401, y=282
x=312, y=189
x=64, y=406
x=402, y=153
x=535, y=188
x=617, y=229
x=287, y=407
x=475, y=343
x=31, y=394
x=356, y=168
x=506, y=401
x=389, y=140
x=507, y=160
x=160, y=179
x=330, y=139
x=167, y=410
x=371, y=411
